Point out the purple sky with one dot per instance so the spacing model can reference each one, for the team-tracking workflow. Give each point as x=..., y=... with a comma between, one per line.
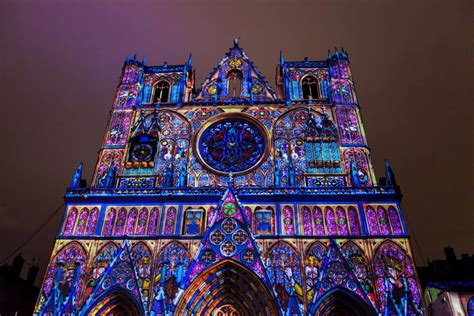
x=412, y=62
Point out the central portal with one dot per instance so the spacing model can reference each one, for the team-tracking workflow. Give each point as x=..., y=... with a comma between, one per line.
x=227, y=289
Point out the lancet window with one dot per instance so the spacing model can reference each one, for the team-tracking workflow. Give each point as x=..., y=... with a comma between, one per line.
x=321, y=147
x=162, y=90
x=234, y=83
x=264, y=221
x=310, y=88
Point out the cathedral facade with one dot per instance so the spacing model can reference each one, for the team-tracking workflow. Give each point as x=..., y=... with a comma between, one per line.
x=233, y=199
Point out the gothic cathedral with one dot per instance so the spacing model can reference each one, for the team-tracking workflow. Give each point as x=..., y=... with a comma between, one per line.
x=233, y=199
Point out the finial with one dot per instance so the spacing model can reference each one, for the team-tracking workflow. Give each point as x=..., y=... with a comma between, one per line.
x=329, y=54
x=389, y=174
x=236, y=42
x=344, y=53
x=76, y=179
x=165, y=64
x=190, y=59
x=336, y=52
x=127, y=59
x=144, y=61
x=282, y=59
x=135, y=57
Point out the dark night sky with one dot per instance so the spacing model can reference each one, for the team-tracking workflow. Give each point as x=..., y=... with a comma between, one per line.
x=412, y=62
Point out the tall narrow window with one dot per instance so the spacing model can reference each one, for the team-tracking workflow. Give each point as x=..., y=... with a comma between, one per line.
x=162, y=91
x=263, y=221
x=234, y=83
x=310, y=88
x=193, y=221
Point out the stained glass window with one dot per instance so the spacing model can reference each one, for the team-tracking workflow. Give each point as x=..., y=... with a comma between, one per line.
x=354, y=223
x=330, y=221
x=153, y=223
x=92, y=222
x=142, y=221
x=392, y=264
x=131, y=222
x=101, y=261
x=109, y=222
x=170, y=267
x=70, y=222
x=372, y=221
x=283, y=268
x=383, y=221
x=81, y=224
x=288, y=220
x=120, y=224
x=318, y=221
x=170, y=221
x=312, y=267
x=141, y=257
x=348, y=123
x=395, y=220
x=234, y=83
x=359, y=158
x=307, y=221
x=341, y=221
x=232, y=145
x=68, y=259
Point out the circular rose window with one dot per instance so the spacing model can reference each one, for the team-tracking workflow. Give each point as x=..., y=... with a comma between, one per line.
x=232, y=144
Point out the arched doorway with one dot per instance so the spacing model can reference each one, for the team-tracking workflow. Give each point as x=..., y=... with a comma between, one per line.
x=340, y=302
x=227, y=289
x=115, y=303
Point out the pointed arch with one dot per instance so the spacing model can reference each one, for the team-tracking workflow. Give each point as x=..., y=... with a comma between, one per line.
x=307, y=221
x=371, y=216
x=170, y=221
x=109, y=223
x=340, y=301
x=395, y=220
x=194, y=219
x=101, y=261
x=318, y=221
x=115, y=301
x=342, y=229
x=264, y=220
x=153, y=222
x=70, y=222
x=142, y=259
x=92, y=221
x=171, y=264
x=82, y=221
x=354, y=221
x=382, y=218
x=284, y=270
x=330, y=220
x=313, y=261
x=224, y=282
x=66, y=261
x=310, y=87
x=131, y=222
x=142, y=221
x=161, y=91
x=120, y=223
x=393, y=264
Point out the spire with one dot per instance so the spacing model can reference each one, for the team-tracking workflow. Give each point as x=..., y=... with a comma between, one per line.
x=336, y=52
x=144, y=61
x=76, y=179
x=344, y=54
x=282, y=59
x=127, y=59
x=135, y=57
x=389, y=174
x=329, y=54
x=190, y=60
x=236, y=42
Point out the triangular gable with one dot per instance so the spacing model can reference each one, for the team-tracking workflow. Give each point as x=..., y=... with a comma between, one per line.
x=228, y=237
x=337, y=272
x=148, y=125
x=121, y=273
x=254, y=86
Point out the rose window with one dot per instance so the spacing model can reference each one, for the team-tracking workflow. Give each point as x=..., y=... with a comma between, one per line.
x=232, y=145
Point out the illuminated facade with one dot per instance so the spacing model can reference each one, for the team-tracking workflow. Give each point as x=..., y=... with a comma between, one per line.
x=235, y=199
